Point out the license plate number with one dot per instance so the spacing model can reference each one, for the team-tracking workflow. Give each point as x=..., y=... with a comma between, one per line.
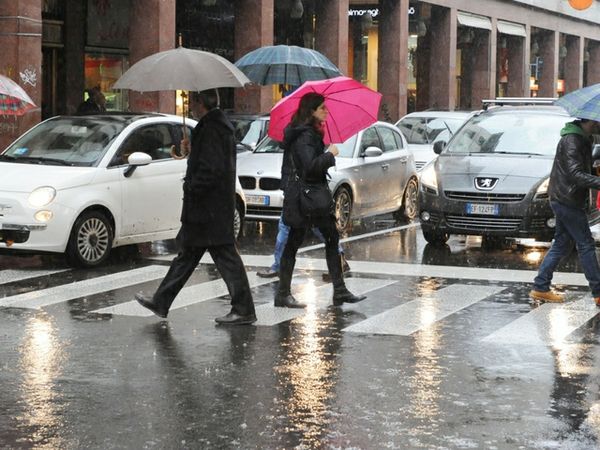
x=258, y=200
x=483, y=209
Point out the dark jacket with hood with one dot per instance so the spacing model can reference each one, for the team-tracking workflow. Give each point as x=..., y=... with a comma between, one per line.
x=305, y=145
x=571, y=176
x=209, y=184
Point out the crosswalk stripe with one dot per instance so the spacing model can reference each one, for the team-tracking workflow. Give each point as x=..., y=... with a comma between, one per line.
x=416, y=315
x=10, y=276
x=547, y=324
x=315, y=297
x=187, y=296
x=58, y=294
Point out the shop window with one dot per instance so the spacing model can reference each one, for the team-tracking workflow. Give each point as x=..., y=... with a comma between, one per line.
x=103, y=71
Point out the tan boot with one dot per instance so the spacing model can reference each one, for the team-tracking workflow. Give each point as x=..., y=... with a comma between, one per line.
x=547, y=296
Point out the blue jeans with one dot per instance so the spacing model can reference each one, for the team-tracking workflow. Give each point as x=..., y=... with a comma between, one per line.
x=572, y=228
x=282, y=236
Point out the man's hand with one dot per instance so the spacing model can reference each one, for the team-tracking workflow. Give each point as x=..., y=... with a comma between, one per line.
x=185, y=149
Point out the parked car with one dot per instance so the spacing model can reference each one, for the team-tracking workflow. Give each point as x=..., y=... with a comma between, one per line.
x=374, y=174
x=85, y=185
x=492, y=177
x=423, y=129
x=249, y=130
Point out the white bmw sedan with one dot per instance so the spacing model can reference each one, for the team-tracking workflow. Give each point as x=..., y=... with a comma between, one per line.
x=85, y=185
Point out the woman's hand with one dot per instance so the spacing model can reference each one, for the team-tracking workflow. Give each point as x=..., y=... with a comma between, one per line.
x=333, y=150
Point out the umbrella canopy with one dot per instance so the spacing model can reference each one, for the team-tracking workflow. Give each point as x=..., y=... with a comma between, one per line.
x=14, y=101
x=583, y=103
x=286, y=64
x=352, y=106
x=181, y=69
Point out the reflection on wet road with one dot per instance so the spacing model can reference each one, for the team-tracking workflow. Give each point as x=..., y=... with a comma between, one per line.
x=446, y=352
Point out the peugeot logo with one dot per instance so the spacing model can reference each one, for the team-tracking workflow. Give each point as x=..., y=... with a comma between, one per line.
x=485, y=183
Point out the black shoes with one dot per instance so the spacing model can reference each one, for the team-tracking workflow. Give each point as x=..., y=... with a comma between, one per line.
x=236, y=319
x=147, y=303
x=267, y=273
x=287, y=301
x=342, y=296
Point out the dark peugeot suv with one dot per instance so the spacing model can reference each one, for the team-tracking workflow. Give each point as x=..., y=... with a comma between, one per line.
x=491, y=179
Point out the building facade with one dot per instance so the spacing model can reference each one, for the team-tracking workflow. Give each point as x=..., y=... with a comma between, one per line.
x=446, y=54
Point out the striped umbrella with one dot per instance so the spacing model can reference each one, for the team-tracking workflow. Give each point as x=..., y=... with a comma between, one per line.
x=286, y=64
x=14, y=101
x=583, y=103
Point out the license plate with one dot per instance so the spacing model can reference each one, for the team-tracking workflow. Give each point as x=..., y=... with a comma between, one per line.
x=483, y=209
x=258, y=200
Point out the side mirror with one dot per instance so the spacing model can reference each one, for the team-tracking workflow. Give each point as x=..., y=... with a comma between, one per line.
x=371, y=152
x=596, y=153
x=438, y=147
x=135, y=160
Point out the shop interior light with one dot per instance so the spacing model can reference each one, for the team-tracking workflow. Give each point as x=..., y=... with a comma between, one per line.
x=421, y=28
x=297, y=9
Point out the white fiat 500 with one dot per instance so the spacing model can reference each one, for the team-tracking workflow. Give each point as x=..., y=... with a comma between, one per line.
x=84, y=185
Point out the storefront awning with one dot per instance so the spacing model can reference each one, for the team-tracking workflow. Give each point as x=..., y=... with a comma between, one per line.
x=474, y=21
x=514, y=29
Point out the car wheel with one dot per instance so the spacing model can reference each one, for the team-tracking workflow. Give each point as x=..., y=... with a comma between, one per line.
x=90, y=241
x=435, y=237
x=237, y=221
x=343, y=208
x=410, y=202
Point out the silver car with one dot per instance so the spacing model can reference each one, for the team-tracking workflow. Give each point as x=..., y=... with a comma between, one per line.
x=425, y=128
x=375, y=173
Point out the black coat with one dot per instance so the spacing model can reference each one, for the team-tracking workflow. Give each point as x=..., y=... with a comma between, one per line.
x=209, y=184
x=303, y=146
x=571, y=176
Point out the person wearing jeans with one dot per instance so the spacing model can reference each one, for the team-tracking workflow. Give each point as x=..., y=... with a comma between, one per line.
x=283, y=232
x=570, y=180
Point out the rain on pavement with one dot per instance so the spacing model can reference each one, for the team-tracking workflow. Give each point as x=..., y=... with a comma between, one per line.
x=446, y=352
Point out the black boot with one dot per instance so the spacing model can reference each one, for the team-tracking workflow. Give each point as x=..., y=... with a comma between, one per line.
x=342, y=295
x=284, y=297
x=148, y=303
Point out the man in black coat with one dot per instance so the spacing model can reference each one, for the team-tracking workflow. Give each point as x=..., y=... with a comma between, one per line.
x=207, y=215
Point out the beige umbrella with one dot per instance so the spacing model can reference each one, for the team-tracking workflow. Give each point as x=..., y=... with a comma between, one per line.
x=181, y=69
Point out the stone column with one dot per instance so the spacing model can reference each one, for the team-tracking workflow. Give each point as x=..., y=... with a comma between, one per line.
x=442, y=83
x=518, y=82
x=331, y=34
x=574, y=63
x=392, y=65
x=549, y=47
x=482, y=68
x=21, y=43
x=491, y=93
x=152, y=30
x=253, y=29
x=594, y=62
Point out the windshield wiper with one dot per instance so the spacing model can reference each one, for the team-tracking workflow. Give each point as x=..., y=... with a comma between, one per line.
x=42, y=159
x=246, y=146
x=7, y=158
x=518, y=153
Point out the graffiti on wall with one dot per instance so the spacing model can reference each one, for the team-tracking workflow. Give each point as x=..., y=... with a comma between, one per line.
x=29, y=76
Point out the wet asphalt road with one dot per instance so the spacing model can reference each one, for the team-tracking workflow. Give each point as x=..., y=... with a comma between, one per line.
x=447, y=352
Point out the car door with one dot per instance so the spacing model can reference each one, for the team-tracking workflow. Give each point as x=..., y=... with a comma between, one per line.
x=396, y=157
x=373, y=173
x=152, y=194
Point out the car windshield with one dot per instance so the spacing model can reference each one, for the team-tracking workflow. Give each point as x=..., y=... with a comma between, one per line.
x=427, y=130
x=520, y=133
x=66, y=141
x=247, y=131
x=346, y=148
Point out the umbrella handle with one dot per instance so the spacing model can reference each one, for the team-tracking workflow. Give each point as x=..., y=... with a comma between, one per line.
x=173, y=152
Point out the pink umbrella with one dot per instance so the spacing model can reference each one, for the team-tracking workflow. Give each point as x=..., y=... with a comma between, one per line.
x=14, y=101
x=352, y=106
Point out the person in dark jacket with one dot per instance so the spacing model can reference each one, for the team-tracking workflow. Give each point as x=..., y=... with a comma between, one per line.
x=570, y=180
x=207, y=214
x=303, y=142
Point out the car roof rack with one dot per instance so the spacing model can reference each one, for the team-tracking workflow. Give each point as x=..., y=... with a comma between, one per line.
x=501, y=101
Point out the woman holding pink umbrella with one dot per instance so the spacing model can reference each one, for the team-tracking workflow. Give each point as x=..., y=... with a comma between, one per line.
x=304, y=146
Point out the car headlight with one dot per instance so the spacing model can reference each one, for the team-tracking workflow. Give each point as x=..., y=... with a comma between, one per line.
x=429, y=178
x=42, y=196
x=543, y=188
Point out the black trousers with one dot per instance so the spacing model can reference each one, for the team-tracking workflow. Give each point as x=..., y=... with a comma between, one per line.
x=332, y=256
x=230, y=266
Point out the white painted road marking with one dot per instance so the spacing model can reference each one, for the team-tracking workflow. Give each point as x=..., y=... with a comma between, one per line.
x=548, y=324
x=10, y=276
x=416, y=315
x=58, y=294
